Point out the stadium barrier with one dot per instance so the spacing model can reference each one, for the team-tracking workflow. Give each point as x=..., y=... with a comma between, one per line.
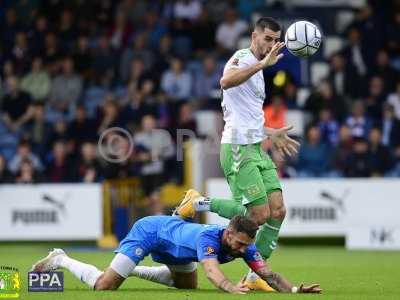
x=51, y=212
x=364, y=211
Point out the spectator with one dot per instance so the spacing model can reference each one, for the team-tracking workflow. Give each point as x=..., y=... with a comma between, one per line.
x=135, y=110
x=5, y=175
x=185, y=121
x=88, y=167
x=375, y=98
x=206, y=83
x=381, y=158
x=59, y=131
x=139, y=52
x=120, y=32
x=104, y=60
x=81, y=128
x=66, y=29
x=163, y=56
x=37, y=83
x=229, y=31
x=38, y=34
x=59, y=168
x=154, y=147
x=203, y=33
x=290, y=95
x=358, y=122
x=83, y=57
x=16, y=106
x=275, y=113
x=323, y=97
x=384, y=70
x=52, y=53
x=27, y=174
x=38, y=130
x=344, y=78
x=109, y=118
x=65, y=92
x=21, y=54
x=118, y=155
x=314, y=155
x=358, y=162
x=328, y=126
x=354, y=53
x=342, y=151
x=394, y=100
x=24, y=153
x=10, y=28
x=390, y=127
x=176, y=82
x=153, y=28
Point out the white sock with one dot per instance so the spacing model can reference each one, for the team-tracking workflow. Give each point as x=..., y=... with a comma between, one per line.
x=252, y=276
x=84, y=272
x=156, y=274
x=202, y=204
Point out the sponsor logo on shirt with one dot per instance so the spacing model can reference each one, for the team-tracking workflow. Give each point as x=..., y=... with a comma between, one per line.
x=209, y=250
x=235, y=62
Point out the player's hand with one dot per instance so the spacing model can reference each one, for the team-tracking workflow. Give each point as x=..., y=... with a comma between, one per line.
x=283, y=143
x=272, y=57
x=240, y=287
x=312, y=289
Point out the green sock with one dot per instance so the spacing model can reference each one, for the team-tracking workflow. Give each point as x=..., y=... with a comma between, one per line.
x=227, y=208
x=267, y=237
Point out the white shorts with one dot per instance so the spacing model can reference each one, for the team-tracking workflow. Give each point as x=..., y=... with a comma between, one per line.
x=124, y=266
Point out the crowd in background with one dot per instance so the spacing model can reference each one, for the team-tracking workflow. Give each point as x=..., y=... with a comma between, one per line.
x=72, y=69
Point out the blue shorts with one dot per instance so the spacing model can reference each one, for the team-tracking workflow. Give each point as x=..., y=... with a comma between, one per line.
x=139, y=242
x=142, y=240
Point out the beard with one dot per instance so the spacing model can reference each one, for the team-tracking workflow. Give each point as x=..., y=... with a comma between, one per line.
x=230, y=251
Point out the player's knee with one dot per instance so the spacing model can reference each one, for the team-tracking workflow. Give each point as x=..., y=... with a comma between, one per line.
x=279, y=213
x=104, y=285
x=259, y=215
x=186, y=285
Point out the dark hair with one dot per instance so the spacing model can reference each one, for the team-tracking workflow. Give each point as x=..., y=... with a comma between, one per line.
x=245, y=225
x=267, y=22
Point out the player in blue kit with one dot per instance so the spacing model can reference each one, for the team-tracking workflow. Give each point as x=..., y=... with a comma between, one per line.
x=178, y=245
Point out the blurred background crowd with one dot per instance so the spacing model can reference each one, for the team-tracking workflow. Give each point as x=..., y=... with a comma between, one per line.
x=72, y=69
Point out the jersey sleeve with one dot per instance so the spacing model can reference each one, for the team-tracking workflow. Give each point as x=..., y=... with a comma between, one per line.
x=253, y=258
x=208, y=246
x=239, y=60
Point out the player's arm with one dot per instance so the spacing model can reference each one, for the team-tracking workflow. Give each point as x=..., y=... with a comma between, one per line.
x=280, y=284
x=236, y=76
x=218, y=278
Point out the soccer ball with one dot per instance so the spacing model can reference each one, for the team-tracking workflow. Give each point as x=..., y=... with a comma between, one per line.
x=303, y=38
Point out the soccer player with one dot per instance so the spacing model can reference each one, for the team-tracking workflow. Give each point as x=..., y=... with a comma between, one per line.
x=250, y=172
x=178, y=245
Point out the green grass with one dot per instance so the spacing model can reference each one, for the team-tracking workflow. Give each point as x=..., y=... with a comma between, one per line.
x=342, y=275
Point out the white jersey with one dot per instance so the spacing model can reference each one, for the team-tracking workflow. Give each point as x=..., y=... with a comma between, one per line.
x=242, y=105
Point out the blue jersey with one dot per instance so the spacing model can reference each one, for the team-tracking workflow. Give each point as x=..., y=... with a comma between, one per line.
x=171, y=240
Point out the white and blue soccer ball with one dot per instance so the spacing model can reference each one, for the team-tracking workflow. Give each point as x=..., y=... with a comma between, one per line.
x=303, y=38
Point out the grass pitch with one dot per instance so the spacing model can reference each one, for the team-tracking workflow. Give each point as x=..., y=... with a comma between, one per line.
x=342, y=275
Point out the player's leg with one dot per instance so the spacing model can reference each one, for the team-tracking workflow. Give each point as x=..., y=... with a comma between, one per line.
x=184, y=276
x=233, y=158
x=161, y=274
x=179, y=276
x=267, y=236
x=86, y=273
